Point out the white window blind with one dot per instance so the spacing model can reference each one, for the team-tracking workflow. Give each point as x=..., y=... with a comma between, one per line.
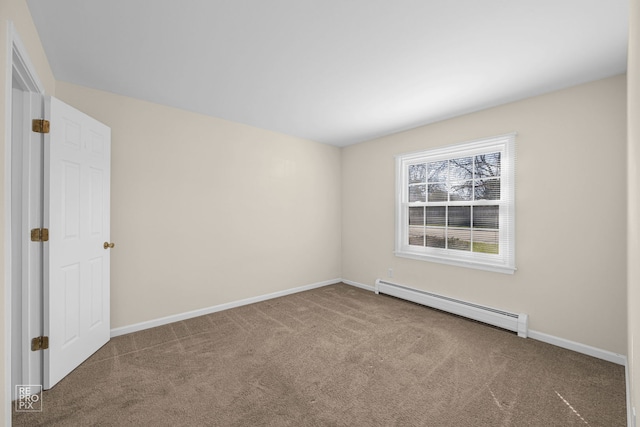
x=456, y=204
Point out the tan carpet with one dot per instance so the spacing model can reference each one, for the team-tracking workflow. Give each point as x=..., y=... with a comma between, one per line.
x=334, y=356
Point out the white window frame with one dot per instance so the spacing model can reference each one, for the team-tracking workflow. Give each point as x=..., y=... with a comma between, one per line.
x=504, y=261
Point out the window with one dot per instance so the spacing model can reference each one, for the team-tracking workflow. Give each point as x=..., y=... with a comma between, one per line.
x=455, y=205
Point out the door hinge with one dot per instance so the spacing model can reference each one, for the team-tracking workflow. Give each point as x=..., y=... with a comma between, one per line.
x=40, y=125
x=40, y=235
x=39, y=343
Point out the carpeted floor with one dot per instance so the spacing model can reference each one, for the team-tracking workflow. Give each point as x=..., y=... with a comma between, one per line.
x=333, y=356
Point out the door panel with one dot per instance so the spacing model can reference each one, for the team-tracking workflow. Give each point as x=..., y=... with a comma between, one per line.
x=77, y=204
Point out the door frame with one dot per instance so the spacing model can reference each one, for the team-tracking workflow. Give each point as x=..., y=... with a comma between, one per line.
x=20, y=67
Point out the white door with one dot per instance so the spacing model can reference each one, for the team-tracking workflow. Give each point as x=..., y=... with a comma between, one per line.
x=76, y=259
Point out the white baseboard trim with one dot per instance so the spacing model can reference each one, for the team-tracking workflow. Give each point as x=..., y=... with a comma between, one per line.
x=549, y=339
x=208, y=310
x=631, y=411
x=599, y=353
x=359, y=285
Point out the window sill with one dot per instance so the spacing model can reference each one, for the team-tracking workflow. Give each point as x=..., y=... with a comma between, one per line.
x=496, y=268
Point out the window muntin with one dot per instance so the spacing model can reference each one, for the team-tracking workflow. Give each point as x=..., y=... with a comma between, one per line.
x=455, y=205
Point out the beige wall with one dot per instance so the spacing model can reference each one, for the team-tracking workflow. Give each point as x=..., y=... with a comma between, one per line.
x=17, y=12
x=633, y=297
x=570, y=213
x=206, y=211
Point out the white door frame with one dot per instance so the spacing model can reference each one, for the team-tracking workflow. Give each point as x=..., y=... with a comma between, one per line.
x=19, y=66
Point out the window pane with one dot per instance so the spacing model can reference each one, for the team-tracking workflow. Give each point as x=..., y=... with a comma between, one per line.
x=416, y=235
x=488, y=165
x=487, y=189
x=437, y=171
x=417, y=173
x=435, y=237
x=416, y=216
x=417, y=193
x=486, y=216
x=461, y=169
x=486, y=241
x=460, y=216
x=461, y=191
x=438, y=192
x=436, y=216
x=459, y=239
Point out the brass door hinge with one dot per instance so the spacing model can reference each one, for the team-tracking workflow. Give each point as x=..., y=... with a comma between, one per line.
x=40, y=235
x=40, y=125
x=39, y=343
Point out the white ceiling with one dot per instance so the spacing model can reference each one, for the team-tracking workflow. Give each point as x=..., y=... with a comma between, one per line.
x=333, y=71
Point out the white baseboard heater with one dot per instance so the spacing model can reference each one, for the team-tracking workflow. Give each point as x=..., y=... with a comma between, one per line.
x=500, y=318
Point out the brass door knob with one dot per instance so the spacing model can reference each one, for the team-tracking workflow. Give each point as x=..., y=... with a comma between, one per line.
x=108, y=245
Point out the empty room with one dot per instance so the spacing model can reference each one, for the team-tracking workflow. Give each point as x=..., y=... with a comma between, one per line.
x=310, y=213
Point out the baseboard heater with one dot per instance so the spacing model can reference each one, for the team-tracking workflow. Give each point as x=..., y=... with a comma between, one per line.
x=502, y=319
